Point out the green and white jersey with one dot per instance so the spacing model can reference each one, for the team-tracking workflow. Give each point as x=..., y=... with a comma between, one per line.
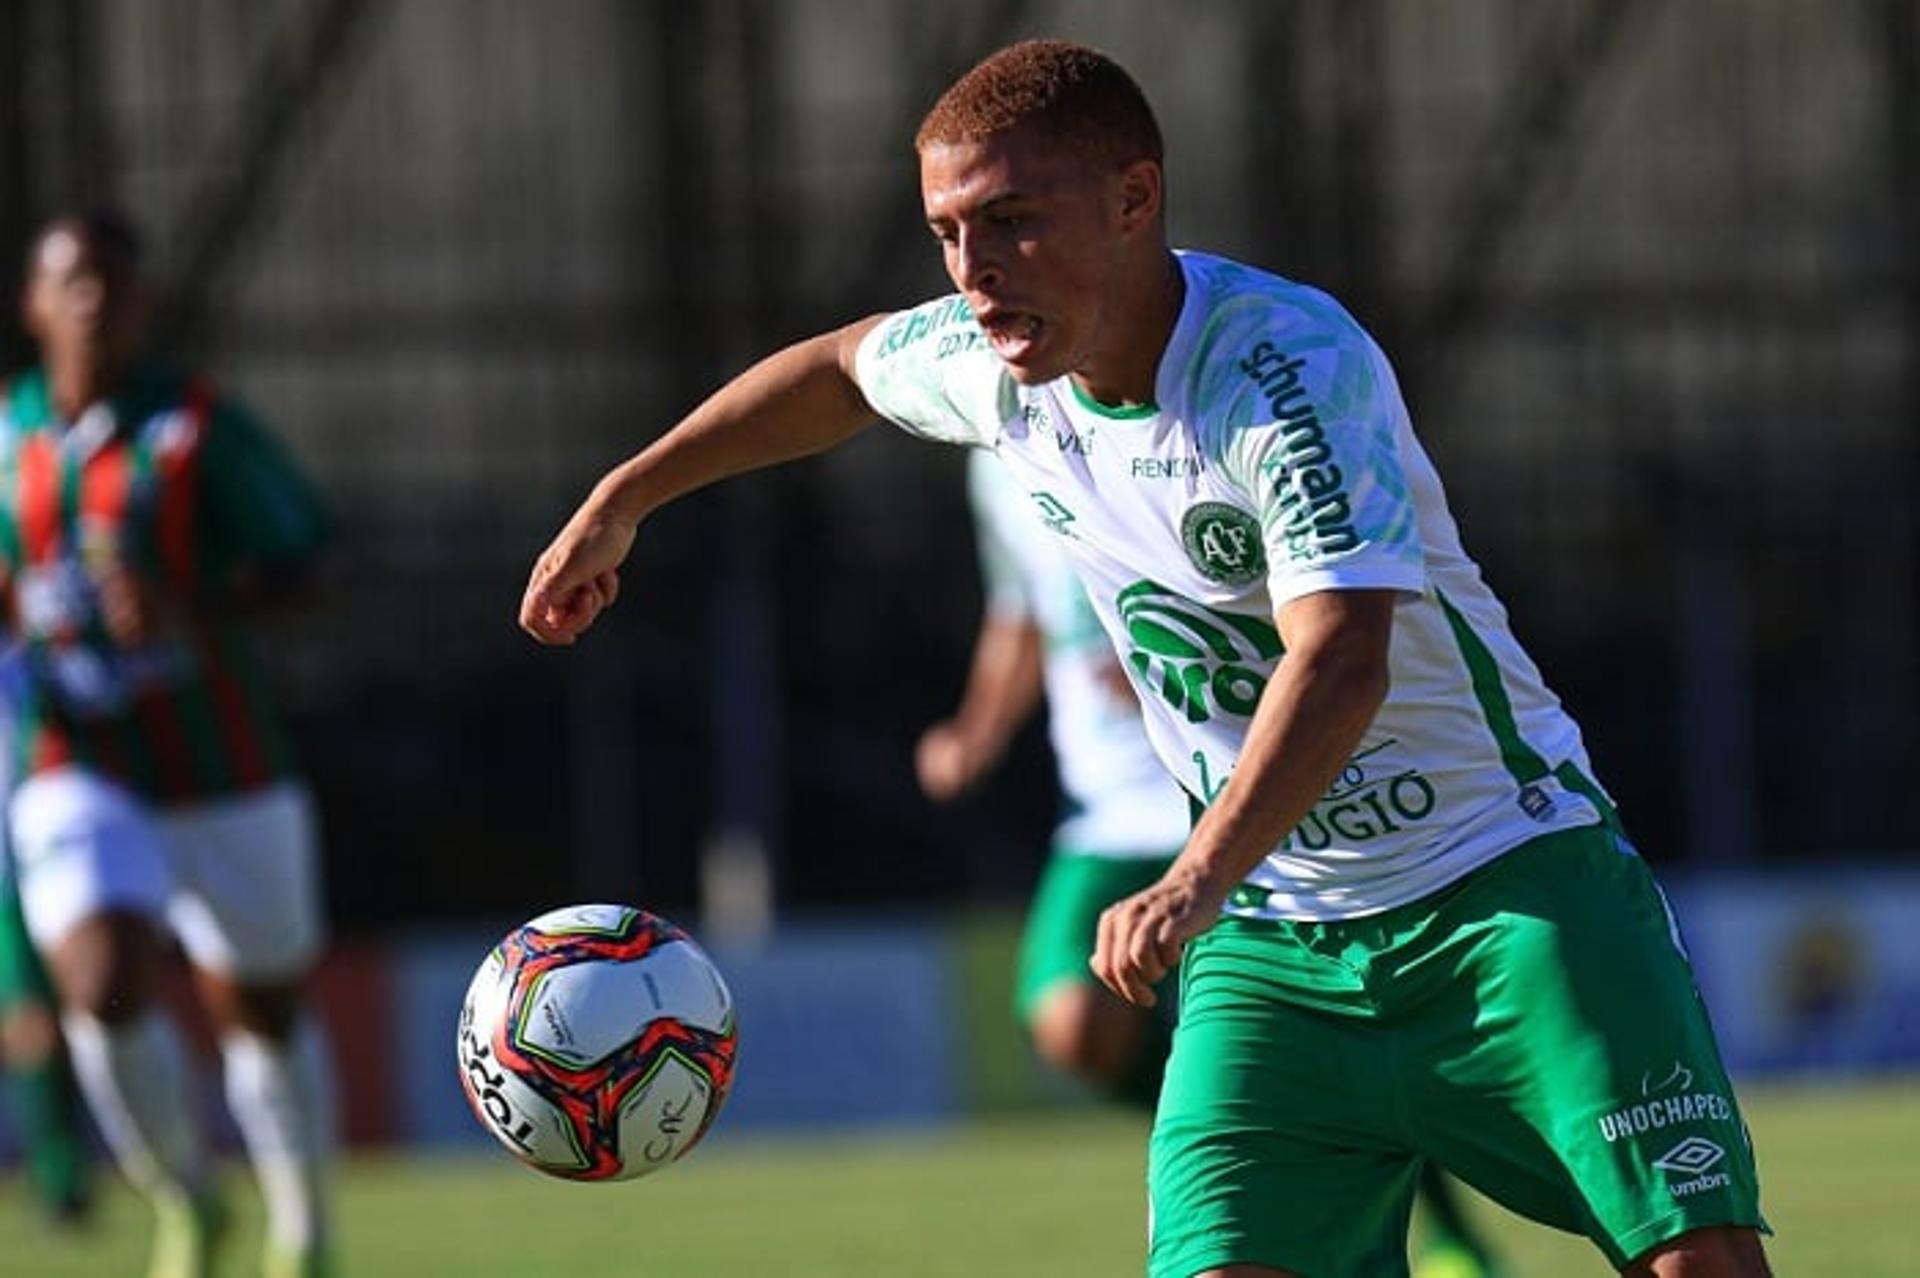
x=1120, y=800
x=1276, y=461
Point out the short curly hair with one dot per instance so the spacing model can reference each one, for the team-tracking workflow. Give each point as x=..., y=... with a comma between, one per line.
x=1069, y=92
x=103, y=227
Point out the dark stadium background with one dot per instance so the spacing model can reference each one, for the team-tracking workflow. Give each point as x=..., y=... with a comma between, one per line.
x=1649, y=272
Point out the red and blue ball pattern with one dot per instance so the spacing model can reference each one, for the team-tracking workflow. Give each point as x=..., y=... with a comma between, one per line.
x=590, y=1095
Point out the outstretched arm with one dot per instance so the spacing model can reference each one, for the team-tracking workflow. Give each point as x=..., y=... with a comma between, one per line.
x=799, y=401
x=1003, y=688
x=1324, y=693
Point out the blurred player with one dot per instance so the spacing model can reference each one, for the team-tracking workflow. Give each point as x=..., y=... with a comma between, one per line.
x=1407, y=925
x=33, y=1058
x=142, y=520
x=39, y=1086
x=1125, y=817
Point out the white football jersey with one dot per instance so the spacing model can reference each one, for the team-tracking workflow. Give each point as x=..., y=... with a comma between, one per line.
x=1120, y=800
x=1277, y=460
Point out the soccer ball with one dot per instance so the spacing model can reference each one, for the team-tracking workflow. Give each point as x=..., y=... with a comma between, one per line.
x=597, y=1042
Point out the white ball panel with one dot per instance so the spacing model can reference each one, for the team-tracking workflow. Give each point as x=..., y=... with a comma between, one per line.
x=662, y=1117
x=682, y=982
x=583, y=918
x=486, y=993
x=585, y=1012
x=519, y=1117
x=533, y=1128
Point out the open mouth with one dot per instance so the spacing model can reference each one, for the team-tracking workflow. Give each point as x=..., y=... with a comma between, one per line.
x=1012, y=333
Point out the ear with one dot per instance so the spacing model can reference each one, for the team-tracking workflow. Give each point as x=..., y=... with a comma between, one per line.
x=1141, y=188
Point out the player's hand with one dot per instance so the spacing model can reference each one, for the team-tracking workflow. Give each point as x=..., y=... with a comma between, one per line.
x=943, y=762
x=576, y=578
x=1141, y=936
x=133, y=610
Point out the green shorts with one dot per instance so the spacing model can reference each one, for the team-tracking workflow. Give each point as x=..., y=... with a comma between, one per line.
x=1533, y=1028
x=22, y=977
x=1061, y=924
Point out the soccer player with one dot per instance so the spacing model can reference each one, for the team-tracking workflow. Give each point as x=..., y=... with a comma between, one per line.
x=33, y=1057
x=1124, y=816
x=1408, y=925
x=143, y=519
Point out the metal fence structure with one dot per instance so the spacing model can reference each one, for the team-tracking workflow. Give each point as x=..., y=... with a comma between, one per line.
x=1648, y=269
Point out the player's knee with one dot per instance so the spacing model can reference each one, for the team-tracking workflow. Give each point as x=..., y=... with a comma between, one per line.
x=268, y=1010
x=1718, y=1251
x=106, y=966
x=29, y=1032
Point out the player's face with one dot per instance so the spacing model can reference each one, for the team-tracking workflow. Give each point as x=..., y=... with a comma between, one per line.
x=1034, y=238
x=83, y=302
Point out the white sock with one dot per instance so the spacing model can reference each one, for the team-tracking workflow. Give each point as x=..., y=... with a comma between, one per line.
x=281, y=1098
x=134, y=1078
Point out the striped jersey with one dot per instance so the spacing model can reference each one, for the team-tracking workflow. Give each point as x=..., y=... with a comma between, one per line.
x=1120, y=801
x=1276, y=460
x=187, y=491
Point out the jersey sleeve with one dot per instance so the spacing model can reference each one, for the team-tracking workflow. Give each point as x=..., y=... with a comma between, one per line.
x=930, y=371
x=1004, y=581
x=258, y=508
x=1320, y=454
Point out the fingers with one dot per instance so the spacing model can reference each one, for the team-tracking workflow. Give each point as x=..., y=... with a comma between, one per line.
x=940, y=762
x=536, y=607
x=561, y=616
x=546, y=618
x=1130, y=957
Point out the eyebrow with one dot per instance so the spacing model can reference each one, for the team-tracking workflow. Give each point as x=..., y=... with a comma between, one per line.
x=987, y=205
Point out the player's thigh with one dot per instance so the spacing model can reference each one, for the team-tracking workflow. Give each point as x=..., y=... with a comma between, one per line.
x=248, y=904
x=83, y=846
x=1582, y=1084
x=1274, y=1144
x=1062, y=922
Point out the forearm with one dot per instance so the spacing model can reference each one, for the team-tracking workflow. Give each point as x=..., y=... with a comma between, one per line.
x=796, y=402
x=799, y=401
x=1309, y=721
x=1004, y=685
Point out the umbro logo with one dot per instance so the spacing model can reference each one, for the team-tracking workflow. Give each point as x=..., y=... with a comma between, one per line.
x=1054, y=513
x=1691, y=1156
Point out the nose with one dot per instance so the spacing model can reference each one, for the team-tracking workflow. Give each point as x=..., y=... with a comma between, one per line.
x=975, y=267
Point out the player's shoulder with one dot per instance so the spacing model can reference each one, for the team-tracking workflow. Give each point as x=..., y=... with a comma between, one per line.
x=226, y=415
x=931, y=369
x=940, y=328
x=23, y=399
x=1243, y=305
x=174, y=408
x=1258, y=340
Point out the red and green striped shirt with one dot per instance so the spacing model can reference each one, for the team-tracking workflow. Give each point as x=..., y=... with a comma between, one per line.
x=188, y=491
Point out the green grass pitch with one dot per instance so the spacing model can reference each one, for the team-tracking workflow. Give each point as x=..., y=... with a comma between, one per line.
x=1055, y=1195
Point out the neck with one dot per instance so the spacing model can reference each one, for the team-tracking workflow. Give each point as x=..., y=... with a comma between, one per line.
x=77, y=384
x=1126, y=374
